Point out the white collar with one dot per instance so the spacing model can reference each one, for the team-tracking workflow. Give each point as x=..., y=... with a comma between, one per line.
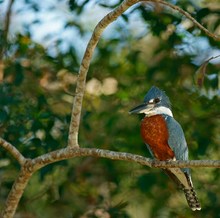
x=158, y=110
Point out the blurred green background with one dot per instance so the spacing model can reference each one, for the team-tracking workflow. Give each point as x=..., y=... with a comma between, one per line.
x=41, y=46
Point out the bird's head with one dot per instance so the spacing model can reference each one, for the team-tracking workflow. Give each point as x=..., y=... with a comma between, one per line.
x=155, y=102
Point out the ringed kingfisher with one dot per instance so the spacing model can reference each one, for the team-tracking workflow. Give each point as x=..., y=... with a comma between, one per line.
x=165, y=139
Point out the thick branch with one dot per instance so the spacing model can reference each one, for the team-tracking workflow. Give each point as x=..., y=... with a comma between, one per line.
x=16, y=192
x=13, y=151
x=68, y=153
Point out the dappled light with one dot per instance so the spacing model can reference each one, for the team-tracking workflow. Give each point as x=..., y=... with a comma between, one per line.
x=107, y=87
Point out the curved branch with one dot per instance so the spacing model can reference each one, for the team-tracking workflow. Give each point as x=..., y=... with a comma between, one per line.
x=13, y=151
x=80, y=87
x=196, y=23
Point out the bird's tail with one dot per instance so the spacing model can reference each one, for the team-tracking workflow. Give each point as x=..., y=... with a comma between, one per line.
x=192, y=199
x=183, y=180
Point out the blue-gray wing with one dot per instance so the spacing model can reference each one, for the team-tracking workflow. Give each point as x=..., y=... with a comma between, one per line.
x=181, y=177
x=177, y=141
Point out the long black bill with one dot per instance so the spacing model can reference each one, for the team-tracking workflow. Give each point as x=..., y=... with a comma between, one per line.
x=138, y=109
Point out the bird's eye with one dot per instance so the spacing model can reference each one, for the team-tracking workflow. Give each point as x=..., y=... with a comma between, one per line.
x=156, y=100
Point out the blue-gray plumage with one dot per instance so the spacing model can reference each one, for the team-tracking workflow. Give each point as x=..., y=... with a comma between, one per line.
x=155, y=93
x=165, y=139
x=176, y=141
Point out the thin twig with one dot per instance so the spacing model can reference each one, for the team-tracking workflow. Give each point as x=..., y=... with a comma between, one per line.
x=217, y=56
x=8, y=19
x=196, y=23
x=6, y=29
x=13, y=151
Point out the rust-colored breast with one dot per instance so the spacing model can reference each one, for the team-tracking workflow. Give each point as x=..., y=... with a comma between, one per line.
x=154, y=133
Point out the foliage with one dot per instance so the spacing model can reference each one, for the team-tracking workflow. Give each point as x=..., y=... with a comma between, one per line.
x=35, y=106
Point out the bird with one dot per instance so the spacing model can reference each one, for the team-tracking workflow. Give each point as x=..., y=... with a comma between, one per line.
x=165, y=139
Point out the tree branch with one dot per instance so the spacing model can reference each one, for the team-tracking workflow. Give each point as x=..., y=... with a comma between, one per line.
x=8, y=19
x=13, y=151
x=30, y=166
x=6, y=29
x=16, y=192
x=67, y=153
x=80, y=87
x=195, y=22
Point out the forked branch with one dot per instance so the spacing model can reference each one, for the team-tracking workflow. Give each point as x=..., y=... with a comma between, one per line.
x=66, y=153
